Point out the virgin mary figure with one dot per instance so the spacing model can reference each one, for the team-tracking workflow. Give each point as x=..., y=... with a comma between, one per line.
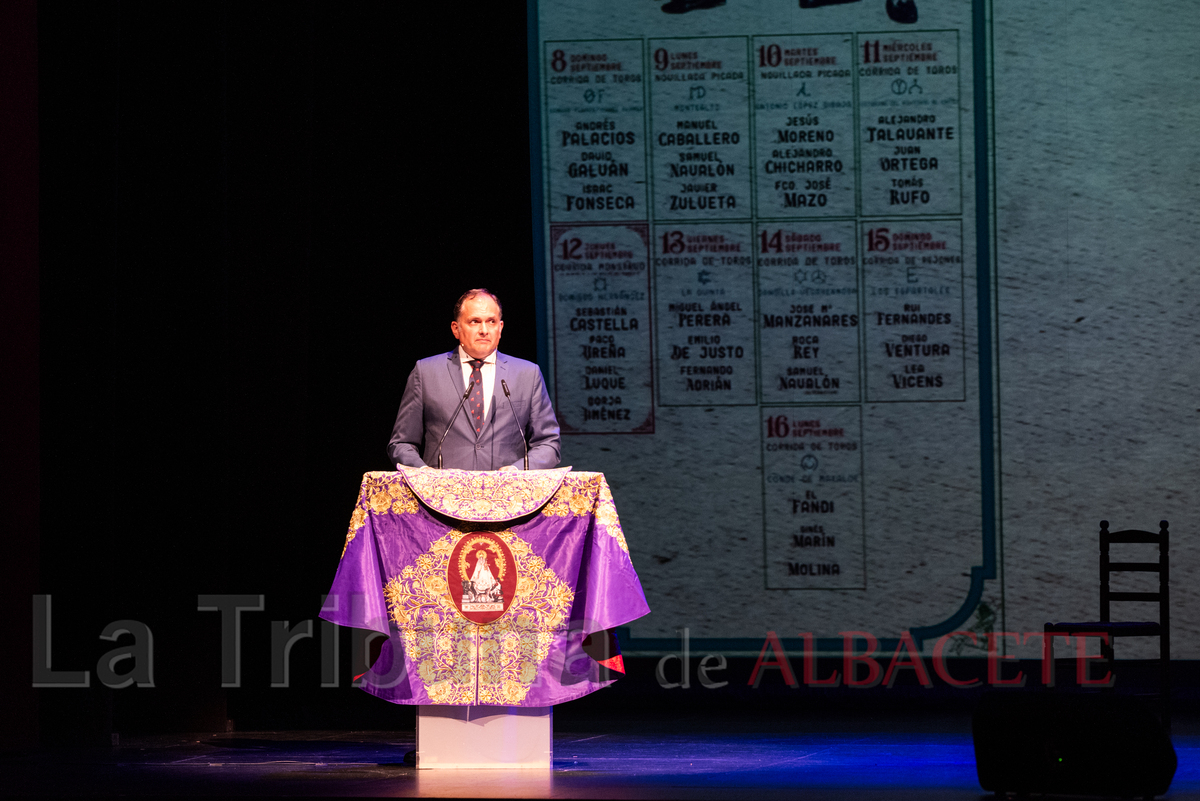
x=482, y=581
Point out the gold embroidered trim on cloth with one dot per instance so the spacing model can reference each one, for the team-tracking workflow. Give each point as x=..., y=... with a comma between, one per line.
x=381, y=492
x=584, y=493
x=484, y=496
x=446, y=648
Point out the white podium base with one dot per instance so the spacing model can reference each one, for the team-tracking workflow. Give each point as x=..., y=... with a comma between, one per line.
x=482, y=737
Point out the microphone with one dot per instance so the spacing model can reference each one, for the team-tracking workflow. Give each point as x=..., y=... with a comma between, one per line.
x=454, y=417
x=507, y=394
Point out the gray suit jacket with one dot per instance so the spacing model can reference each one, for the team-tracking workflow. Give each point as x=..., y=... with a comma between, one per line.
x=434, y=389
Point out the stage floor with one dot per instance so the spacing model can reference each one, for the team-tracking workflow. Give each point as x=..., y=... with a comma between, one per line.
x=833, y=758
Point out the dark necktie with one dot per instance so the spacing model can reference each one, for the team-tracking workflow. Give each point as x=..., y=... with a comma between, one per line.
x=475, y=402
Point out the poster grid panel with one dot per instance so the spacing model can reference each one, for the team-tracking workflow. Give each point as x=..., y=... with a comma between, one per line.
x=782, y=170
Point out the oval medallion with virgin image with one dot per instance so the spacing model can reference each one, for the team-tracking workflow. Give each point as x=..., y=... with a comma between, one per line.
x=482, y=576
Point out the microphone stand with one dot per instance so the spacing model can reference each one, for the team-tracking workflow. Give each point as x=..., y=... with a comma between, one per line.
x=507, y=394
x=454, y=417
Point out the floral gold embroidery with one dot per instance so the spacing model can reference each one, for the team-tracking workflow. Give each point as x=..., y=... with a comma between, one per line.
x=357, y=520
x=584, y=493
x=404, y=501
x=459, y=662
x=559, y=504
x=380, y=493
x=606, y=515
x=380, y=502
x=484, y=496
x=581, y=504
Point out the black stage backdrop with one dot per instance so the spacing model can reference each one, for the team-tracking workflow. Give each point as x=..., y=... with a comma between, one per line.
x=254, y=219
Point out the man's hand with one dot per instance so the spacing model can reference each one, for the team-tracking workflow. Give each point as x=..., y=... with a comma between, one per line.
x=509, y=467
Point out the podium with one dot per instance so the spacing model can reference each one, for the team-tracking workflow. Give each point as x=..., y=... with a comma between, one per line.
x=497, y=592
x=480, y=737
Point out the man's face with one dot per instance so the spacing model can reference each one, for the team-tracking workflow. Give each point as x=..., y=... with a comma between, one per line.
x=478, y=327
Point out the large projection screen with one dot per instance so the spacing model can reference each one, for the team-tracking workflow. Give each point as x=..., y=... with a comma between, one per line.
x=772, y=303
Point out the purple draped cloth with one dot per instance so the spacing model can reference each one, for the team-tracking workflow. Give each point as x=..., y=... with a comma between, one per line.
x=486, y=584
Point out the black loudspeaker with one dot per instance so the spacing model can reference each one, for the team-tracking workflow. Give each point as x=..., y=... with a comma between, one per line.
x=1071, y=744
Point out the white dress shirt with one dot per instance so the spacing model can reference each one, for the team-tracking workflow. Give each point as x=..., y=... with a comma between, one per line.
x=487, y=371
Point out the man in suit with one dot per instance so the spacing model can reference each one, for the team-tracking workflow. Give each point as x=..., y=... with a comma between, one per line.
x=484, y=435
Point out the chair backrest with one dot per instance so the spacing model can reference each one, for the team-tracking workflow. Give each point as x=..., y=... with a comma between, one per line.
x=1162, y=567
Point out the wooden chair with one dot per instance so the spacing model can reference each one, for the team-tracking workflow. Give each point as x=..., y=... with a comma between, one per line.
x=1160, y=628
